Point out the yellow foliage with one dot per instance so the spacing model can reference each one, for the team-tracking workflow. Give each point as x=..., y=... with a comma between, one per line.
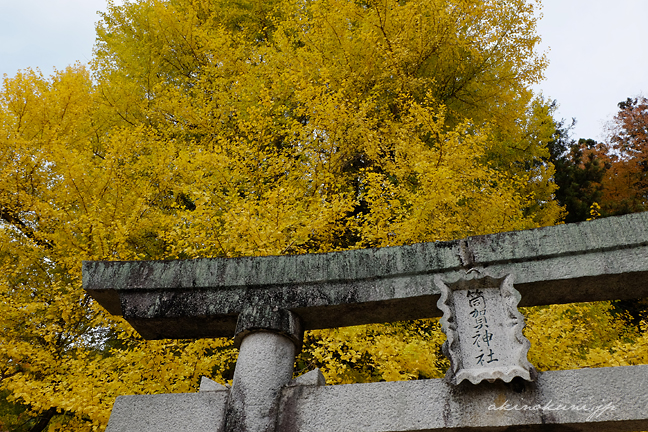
x=222, y=129
x=395, y=352
x=594, y=211
x=582, y=335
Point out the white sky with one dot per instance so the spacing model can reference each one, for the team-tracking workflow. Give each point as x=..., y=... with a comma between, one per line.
x=598, y=57
x=598, y=49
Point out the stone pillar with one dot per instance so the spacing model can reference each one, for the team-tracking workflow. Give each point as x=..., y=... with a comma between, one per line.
x=269, y=340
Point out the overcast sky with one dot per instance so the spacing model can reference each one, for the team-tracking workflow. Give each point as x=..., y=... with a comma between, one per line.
x=598, y=49
x=598, y=54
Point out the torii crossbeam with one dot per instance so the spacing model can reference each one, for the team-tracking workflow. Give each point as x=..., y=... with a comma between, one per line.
x=267, y=302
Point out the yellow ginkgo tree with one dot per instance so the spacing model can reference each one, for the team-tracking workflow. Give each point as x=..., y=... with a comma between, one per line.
x=211, y=128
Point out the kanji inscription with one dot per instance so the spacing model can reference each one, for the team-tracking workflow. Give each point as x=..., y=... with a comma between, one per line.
x=484, y=330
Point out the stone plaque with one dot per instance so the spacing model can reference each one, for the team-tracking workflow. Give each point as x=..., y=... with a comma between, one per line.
x=484, y=330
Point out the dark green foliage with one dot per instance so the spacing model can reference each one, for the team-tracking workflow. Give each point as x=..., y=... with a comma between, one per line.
x=579, y=172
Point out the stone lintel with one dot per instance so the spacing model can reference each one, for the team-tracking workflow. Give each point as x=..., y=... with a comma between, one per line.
x=559, y=398
x=180, y=412
x=604, y=259
x=605, y=400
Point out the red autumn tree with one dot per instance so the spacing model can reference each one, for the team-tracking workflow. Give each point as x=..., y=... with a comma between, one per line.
x=625, y=186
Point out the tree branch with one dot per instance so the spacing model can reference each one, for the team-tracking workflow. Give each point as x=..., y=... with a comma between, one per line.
x=11, y=218
x=44, y=420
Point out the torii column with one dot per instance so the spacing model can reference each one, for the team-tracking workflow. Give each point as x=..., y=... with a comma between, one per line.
x=266, y=303
x=268, y=337
x=269, y=340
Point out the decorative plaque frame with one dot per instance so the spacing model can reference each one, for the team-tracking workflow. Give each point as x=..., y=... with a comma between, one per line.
x=484, y=329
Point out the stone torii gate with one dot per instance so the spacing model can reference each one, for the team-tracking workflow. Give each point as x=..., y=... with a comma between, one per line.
x=267, y=302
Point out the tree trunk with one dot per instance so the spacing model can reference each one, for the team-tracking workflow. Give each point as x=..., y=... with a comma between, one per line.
x=44, y=420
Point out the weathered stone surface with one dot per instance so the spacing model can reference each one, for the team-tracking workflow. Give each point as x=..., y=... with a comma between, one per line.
x=615, y=399
x=269, y=301
x=312, y=378
x=207, y=385
x=182, y=412
x=264, y=367
x=265, y=317
x=484, y=330
x=598, y=260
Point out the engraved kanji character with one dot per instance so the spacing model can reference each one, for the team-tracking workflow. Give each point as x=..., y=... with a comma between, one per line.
x=476, y=312
x=476, y=339
x=490, y=357
x=480, y=359
x=475, y=298
x=487, y=337
x=481, y=322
